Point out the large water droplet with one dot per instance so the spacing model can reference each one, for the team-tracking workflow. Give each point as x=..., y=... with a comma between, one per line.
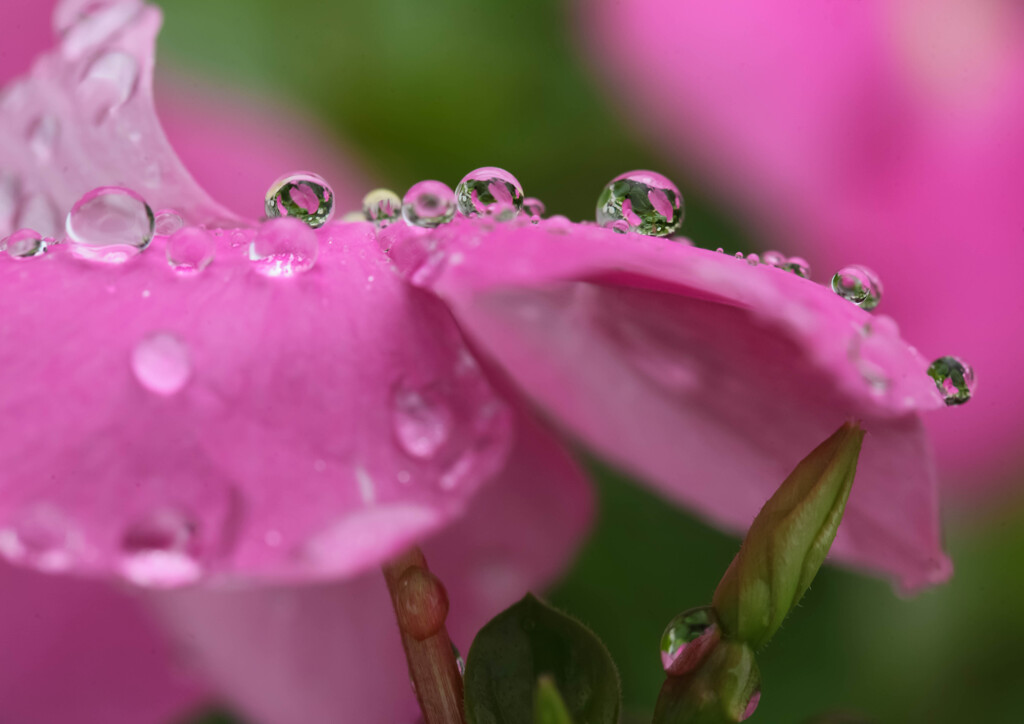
x=110, y=224
x=108, y=83
x=382, y=207
x=41, y=537
x=190, y=250
x=24, y=244
x=429, y=204
x=859, y=285
x=954, y=378
x=647, y=201
x=301, y=195
x=489, y=191
x=422, y=421
x=159, y=551
x=284, y=248
x=42, y=137
x=161, y=363
x=686, y=628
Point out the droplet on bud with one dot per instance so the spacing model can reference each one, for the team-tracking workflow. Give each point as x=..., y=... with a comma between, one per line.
x=648, y=202
x=110, y=224
x=190, y=250
x=284, y=248
x=691, y=633
x=382, y=206
x=490, y=191
x=428, y=204
x=954, y=378
x=859, y=285
x=301, y=195
x=24, y=244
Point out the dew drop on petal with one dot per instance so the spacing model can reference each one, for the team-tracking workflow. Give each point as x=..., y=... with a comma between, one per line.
x=422, y=420
x=753, y=259
x=108, y=83
x=752, y=703
x=490, y=191
x=797, y=265
x=190, y=250
x=954, y=378
x=534, y=208
x=110, y=224
x=301, y=195
x=382, y=207
x=24, y=244
x=167, y=221
x=284, y=248
x=428, y=204
x=684, y=629
x=161, y=363
x=859, y=285
x=41, y=537
x=158, y=551
x=647, y=201
x=619, y=226
x=774, y=258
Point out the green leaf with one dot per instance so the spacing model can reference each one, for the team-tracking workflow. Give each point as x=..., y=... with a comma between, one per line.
x=530, y=640
x=719, y=691
x=548, y=705
x=788, y=541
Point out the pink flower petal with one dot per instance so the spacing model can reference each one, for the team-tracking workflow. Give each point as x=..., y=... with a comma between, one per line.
x=709, y=377
x=84, y=118
x=330, y=653
x=83, y=652
x=880, y=133
x=230, y=423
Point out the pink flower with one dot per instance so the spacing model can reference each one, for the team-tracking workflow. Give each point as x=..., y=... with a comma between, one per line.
x=263, y=444
x=887, y=134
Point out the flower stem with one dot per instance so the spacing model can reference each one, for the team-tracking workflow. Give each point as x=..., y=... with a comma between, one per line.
x=421, y=607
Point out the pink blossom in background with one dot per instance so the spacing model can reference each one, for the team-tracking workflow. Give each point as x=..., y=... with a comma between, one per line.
x=279, y=438
x=882, y=133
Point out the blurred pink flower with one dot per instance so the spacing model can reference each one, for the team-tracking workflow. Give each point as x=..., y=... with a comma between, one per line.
x=228, y=429
x=883, y=133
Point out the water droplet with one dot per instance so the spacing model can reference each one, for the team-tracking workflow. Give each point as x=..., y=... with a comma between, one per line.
x=110, y=224
x=685, y=629
x=774, y=258
x=859, y=285
x=159, y=551
x=752, y=703
x=797, y=265
x=954, y=378
x=619, y=226
x=534, y=208
x=422, y=420
x=490, y=191
x=284, y=247
x=108, y=83
x=753, y=259
x=167, y=222
x=459, y=661
x=647, y=201
x=161, y=363
x=42, y=137
x=301, y=195
x=190, y=250
x=720, y=250
x=428, y=204
x=24, y=244
x=41, y=537
x=382, y=206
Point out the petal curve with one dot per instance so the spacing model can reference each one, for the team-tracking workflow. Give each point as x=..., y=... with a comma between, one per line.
x=707, y=376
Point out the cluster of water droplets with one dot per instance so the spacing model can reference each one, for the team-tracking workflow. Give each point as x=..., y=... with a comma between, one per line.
x=793, y=264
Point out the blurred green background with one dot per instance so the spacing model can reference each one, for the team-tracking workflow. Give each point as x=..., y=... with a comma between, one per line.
x=433, y=90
